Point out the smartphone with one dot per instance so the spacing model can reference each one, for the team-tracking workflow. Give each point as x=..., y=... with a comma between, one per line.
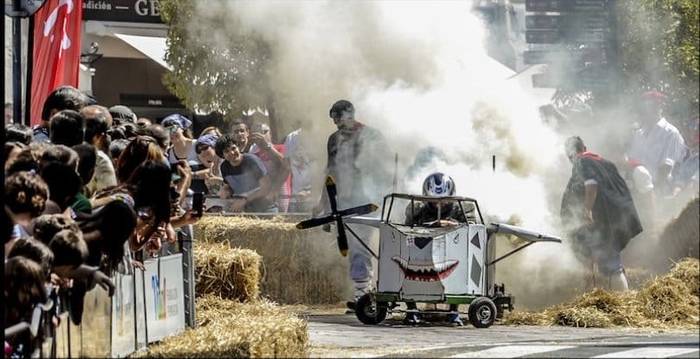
x=198, y=204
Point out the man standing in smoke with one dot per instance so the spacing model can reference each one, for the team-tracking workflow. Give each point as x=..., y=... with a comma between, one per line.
x=657, y=145
x=357, y=160
x=655, y=149
x=598, y=204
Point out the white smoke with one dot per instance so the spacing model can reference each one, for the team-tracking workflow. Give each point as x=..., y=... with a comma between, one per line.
x=419, y=72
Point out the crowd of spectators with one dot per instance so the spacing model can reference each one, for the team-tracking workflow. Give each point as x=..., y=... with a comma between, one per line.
x=93, y=190
x=661, y=160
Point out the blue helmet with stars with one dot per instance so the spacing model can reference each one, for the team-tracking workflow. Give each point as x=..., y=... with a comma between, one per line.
x=438, y=184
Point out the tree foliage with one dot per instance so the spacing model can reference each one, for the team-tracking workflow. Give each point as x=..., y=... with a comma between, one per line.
x=214, y=66
x=659, y=50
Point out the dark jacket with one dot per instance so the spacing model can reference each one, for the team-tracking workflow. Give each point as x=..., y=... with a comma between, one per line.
x=614, y=213
x=359, y=160
x=423, y=213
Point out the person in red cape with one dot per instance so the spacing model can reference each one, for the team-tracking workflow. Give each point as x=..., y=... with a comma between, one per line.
x=599, y=209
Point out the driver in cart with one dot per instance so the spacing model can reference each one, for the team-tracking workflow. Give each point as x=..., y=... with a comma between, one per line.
x=426, y=214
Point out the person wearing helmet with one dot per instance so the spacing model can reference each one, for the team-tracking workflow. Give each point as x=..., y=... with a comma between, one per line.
x=426, y=214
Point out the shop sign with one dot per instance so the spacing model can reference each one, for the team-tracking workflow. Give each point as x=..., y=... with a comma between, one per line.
x=140, y=11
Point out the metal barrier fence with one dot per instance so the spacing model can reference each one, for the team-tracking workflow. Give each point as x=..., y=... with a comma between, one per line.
x=147, y=306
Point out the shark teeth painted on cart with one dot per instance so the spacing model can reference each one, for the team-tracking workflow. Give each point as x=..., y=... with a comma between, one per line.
x=426, y=272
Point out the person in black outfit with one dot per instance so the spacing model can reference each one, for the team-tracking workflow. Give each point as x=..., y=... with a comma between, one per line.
x=598, y=206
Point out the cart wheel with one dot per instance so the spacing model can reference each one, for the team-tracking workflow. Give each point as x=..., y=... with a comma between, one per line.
x=482, y=312
x=368, y=311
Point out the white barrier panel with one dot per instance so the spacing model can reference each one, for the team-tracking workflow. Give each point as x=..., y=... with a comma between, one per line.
x=74, y=339
x=123, y=316
x=139, y=288
x=147, y=306
x=165, y=298
x=62, y=337
x=95, y=326
x=93, y=332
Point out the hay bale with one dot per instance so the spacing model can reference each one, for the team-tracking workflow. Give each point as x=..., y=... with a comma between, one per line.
x=594, y=309
x=229, y=273
x=688, y=271
x=670, y=301
x=674, y=299
x=526, y=318
x=300, y=266
x=620, y=308
x=636, y=276
x=582, y=317
x=232, y=329
x=679, y=238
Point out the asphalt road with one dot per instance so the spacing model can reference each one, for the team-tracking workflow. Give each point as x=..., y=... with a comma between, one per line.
x=337, y=335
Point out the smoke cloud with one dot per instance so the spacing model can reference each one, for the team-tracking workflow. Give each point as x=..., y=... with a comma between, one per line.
x=419, y=72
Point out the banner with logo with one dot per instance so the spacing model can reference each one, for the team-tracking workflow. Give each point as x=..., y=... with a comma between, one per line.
x=56, y=53
x=123, y=316
x=165, y=298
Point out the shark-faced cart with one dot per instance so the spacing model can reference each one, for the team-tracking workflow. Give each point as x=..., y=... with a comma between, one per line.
x=440, y=261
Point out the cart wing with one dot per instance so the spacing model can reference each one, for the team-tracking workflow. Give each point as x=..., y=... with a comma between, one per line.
x=520, y=232
x=367, y=221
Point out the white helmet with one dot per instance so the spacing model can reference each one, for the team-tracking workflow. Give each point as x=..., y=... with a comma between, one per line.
x=438, y=185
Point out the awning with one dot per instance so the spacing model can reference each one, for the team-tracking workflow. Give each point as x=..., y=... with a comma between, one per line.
x=152, y=47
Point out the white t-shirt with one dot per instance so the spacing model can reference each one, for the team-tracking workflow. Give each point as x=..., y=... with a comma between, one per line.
x=191, y=156
x=296, y=152
x=658, y=145
x=104, y=174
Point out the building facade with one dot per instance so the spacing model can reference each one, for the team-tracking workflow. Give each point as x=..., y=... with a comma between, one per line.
x=122, y=56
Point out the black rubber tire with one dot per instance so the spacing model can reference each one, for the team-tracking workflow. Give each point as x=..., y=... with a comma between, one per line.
x=368, y=312
x=482, y=312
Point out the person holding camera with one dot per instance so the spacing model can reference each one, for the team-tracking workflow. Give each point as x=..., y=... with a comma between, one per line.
x=272, y=157
x=182, y=144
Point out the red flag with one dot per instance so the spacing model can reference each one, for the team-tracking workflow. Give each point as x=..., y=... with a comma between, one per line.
x=56, y=50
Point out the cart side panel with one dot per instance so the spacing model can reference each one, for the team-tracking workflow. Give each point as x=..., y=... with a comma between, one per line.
x=392, y=244
x=457, y=244
x=476, y=260
x=432, y=252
